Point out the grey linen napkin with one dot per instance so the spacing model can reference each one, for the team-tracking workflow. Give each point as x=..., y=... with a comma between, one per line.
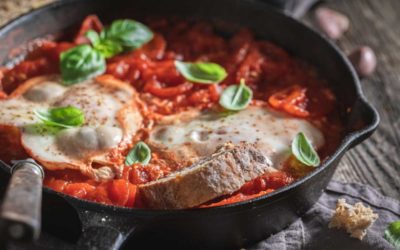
x=309, y=232
x=312, y=232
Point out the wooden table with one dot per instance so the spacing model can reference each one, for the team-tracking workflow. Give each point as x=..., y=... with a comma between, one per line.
x=375, y=23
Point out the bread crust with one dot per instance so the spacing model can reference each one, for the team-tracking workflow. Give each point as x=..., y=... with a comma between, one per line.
x=222, y=173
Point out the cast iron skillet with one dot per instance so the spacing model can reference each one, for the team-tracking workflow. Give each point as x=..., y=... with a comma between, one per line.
x=107, y=227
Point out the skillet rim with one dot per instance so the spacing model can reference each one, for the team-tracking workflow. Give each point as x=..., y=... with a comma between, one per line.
x=349, y=140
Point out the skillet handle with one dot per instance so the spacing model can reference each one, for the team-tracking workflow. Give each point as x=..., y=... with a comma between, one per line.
x=20, y=217
x=103, y=231
x=100, y=238
x=365, y=119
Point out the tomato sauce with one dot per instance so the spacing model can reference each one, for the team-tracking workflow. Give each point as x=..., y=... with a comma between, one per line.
x=277, y=79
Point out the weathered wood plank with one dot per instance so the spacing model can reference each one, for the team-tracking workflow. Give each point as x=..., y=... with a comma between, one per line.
x=377, y=160
x=10, y=9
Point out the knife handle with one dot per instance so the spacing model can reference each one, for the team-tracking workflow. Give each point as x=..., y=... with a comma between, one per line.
x=20, y=217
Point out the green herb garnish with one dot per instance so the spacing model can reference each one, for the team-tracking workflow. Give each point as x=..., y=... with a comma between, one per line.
x=127, y=33
x=304, y=151
x=140, y=153
x=63, y=117
x=207, y=73
x=236, y=97
x=392, y=234
x=107, y=48
x=81, y=63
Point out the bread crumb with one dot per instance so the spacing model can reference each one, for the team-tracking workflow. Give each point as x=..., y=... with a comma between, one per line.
x=354, y=219
x=224, y=147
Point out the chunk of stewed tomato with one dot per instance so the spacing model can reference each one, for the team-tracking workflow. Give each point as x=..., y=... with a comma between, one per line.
x=292, y=100
x=79, y=190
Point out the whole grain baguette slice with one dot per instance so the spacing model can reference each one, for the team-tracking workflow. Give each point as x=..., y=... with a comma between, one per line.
x=222, y=173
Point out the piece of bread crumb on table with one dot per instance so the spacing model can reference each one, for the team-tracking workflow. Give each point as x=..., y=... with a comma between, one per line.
x=355, y=219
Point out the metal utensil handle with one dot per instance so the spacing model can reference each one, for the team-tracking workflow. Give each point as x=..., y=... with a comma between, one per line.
x=20, y=217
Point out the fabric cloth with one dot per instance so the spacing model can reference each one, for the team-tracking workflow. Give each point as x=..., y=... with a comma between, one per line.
x=312, y=232
x=309, y=232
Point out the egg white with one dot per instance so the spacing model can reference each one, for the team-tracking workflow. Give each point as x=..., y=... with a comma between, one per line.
x=111, y=120
x=187, y=139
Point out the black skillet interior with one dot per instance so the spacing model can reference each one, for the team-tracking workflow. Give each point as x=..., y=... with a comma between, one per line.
x=234, y=225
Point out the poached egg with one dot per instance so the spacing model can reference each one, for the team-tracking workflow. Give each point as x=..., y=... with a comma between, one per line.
x=112, y=119
x=186, y=137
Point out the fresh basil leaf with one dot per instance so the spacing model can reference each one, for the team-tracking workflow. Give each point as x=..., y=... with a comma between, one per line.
x=140, y=153
x=129, y=34
x=236, y=97
x=208, y=73
x=304, y=151
x=93, y=37
x=392, y=234
x=81, y=63
x=107, y=48
x=64, y=117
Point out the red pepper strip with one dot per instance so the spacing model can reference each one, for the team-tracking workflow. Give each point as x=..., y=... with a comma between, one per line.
x=3, y=95
x=215, y=92
x=292, y=100
x=91, y=22
x=154, y=87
